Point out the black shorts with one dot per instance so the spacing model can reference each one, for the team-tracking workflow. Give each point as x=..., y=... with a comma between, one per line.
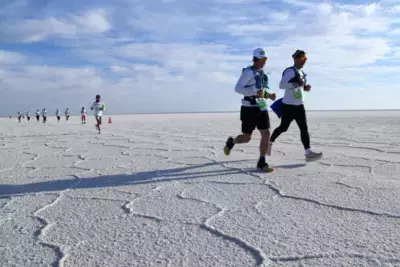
x=253, y=117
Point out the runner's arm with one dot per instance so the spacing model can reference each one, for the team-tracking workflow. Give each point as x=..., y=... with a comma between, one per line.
x=241, y=85
x=286, y=77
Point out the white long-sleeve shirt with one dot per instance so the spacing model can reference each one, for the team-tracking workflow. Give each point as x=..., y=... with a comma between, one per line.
x=248, y=84
x=294, y=95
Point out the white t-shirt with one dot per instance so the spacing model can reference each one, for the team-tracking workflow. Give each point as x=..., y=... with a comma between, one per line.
x=294, y=95
x=98, y=108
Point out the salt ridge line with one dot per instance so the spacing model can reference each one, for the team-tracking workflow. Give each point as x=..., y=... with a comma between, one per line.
x=338, y=207
x=283, y=195
x=259, y=256
x=332, y=255
x=60, y=252
x=41, y=233
x=370, y=168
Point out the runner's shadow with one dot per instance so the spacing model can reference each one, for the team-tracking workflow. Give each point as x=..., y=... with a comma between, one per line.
x=108, y=181
x=290, y=166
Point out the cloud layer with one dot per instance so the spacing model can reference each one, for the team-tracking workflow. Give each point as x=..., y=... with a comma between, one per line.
x=169, y=56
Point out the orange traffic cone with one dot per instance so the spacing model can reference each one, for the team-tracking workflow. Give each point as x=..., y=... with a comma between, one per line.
x=109, y=120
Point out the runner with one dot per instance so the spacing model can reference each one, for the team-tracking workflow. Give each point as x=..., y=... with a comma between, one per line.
x=58, y=114
x=37, y=115
x=83, y=115
x=67, y=114
x=294, y=83
x=44, y=114
x=98, y=107
x=252, y=84
x=28, y=115
x=19, y=116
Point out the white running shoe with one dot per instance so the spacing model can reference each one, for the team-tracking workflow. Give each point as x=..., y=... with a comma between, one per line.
x=313, y=156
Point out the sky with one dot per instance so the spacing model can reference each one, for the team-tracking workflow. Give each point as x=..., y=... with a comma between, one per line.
x=158, y=56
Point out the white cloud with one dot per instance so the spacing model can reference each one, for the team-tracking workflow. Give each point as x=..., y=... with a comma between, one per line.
x=10, y=58
x=119, y=69
x=35, y=30
x=395, y=9
x=93, y=21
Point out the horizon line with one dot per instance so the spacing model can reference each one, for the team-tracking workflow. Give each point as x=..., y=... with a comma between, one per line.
x=237, y=111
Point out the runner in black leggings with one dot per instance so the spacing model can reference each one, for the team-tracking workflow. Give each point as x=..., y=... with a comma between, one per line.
x=294, y=82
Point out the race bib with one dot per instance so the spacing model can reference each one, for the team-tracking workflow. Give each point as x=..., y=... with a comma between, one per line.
x=299, y=94
x=262, y=104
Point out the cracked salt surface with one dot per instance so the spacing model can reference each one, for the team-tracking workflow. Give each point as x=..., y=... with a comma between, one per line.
x=156, y=191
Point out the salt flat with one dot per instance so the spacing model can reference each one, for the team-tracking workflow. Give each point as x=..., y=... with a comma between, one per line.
x=157, y=190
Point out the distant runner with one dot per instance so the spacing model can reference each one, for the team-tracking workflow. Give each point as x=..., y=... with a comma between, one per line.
x=67, y=114
x=253, y=84
x=58, y=114
x=28, y=115
x=19, y=116
x=98, y=107
x=83, y=115
x=44, y=114
x=294, y=83
x=37, y=115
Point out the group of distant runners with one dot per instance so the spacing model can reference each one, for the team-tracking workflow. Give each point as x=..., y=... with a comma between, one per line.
x=98, y=107
x=253, y=85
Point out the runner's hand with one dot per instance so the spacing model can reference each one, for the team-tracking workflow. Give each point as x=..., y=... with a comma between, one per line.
x=260, y=93
x=307, y=88
x=272, y=96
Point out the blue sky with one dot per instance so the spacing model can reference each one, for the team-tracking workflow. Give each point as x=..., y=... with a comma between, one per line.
x=174, y=56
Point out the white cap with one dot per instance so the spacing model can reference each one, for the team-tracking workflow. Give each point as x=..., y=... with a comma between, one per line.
x=259, y=53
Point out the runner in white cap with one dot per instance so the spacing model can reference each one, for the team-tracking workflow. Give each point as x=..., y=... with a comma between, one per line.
x=253, y=85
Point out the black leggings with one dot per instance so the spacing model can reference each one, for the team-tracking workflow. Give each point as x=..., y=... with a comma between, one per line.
x=290, y=113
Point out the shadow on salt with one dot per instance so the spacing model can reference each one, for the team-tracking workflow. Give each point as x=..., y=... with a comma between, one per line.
x=205, y=171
